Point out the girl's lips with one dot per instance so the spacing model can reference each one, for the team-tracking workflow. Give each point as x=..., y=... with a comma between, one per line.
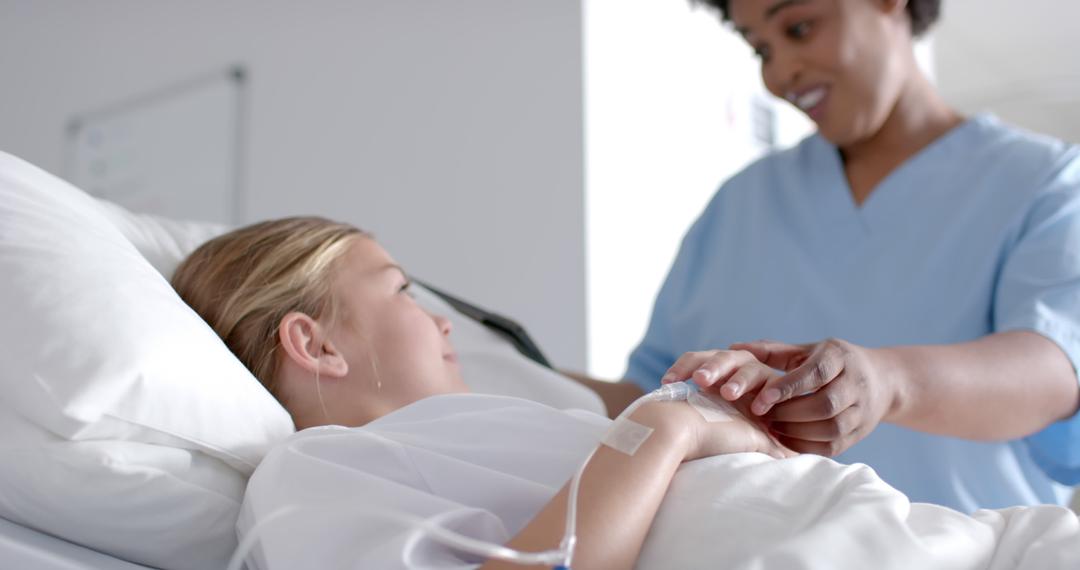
x=450, y=357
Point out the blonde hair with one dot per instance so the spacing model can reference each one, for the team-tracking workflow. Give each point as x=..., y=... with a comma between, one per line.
x=244, y=282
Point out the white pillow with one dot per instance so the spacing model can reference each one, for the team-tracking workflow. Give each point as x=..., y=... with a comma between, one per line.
x=162, y=241
x=105, y=369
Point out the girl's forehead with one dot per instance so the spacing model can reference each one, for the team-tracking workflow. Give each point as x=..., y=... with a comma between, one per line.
x=366, y=255
x=367, y=263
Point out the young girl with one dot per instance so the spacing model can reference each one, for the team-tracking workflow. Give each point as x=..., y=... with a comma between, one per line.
x=322, y=315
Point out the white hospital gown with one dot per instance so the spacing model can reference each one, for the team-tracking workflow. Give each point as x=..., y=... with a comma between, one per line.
x=485, y=465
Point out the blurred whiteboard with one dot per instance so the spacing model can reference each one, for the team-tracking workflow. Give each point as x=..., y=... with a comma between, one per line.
x=175, y=152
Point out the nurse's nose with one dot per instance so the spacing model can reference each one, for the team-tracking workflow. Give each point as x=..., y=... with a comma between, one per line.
x=444, y=324
x=783, y=73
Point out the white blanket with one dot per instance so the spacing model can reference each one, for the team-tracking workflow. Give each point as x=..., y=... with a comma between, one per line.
x=484, y=465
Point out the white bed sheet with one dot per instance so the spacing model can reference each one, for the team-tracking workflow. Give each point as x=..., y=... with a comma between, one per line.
x=21, y=547
x=484, y=465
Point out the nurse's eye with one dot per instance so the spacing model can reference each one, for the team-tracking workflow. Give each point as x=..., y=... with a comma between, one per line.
x=799, y=30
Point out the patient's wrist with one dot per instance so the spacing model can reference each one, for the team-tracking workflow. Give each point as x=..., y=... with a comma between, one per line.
x=672, y=422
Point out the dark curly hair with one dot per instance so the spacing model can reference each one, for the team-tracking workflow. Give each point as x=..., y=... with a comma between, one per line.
x=923, y=13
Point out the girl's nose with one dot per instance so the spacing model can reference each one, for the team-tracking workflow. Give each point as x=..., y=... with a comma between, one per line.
x=444, y=324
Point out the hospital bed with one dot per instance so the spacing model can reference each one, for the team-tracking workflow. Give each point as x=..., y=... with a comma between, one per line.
x=105, y=466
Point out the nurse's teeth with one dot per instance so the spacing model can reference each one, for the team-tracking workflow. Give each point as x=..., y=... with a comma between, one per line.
x=810, y=99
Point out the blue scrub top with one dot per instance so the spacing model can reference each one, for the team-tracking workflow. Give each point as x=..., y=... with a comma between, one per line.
x=977, y=233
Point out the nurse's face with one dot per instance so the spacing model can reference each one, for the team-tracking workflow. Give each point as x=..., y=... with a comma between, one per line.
x=842, y=62
x=396, y=351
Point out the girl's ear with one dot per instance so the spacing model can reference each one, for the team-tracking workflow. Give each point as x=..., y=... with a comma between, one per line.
x=306, y=343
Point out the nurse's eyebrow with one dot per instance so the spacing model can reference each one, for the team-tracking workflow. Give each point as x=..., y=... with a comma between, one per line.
x=772, y=11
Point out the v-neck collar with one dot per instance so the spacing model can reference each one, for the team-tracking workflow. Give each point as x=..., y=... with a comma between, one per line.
x=837, y=203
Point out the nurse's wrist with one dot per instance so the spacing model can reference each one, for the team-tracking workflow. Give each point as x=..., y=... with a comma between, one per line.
x=889, y=365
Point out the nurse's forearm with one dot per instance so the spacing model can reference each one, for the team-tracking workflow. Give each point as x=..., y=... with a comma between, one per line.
x=618, y=500
x=1003, y=386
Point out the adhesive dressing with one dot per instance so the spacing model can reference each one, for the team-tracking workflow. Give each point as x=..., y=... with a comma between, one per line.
x=712, y=407
x=626, y=436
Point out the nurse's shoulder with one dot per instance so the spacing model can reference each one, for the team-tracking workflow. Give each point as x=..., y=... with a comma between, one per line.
x=1017, y=159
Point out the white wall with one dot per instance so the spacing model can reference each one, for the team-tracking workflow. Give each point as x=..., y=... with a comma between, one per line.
x=452, y=129
x=1015, y=59
x=669, y=95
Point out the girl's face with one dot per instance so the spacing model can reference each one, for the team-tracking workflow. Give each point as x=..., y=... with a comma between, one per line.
x=397, y=352
x=842, y=62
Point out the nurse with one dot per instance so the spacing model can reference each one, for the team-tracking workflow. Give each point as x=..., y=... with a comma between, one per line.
x=919, y=270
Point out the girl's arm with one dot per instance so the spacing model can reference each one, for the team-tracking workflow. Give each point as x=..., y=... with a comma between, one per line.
x=620, y=493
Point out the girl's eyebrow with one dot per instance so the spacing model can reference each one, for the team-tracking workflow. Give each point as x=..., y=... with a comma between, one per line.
x=393, y=266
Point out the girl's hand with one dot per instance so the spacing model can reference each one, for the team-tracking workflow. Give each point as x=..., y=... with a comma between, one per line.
x=834, y=394
x=702, y=438
x=731, y=373
x=736, y=375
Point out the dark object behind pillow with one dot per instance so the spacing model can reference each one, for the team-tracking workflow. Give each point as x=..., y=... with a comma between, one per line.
x=504, y=326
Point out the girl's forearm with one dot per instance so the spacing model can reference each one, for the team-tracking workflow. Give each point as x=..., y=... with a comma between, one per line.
x=618, y=499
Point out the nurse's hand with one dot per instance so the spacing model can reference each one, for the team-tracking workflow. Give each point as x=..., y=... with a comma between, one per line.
x=834, y=393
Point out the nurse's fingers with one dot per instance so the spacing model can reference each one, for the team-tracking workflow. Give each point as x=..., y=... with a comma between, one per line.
x=820, y=368
x=708, y=367
x=827, y=403
x=842, y=426
x=776, y=354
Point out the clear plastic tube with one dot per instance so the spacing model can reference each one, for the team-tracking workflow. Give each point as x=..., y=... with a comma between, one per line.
x=668, y=392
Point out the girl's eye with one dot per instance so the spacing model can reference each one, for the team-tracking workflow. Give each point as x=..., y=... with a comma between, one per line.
x=406, y=288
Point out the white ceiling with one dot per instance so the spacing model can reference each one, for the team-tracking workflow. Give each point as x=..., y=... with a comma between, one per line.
x=1017, y=59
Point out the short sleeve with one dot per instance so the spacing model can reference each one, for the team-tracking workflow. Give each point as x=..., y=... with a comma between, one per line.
x=659, y=348
x=1039, y=290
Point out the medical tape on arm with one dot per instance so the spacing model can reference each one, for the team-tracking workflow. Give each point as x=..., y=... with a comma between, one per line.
x=712, y=407
x=626, y=436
